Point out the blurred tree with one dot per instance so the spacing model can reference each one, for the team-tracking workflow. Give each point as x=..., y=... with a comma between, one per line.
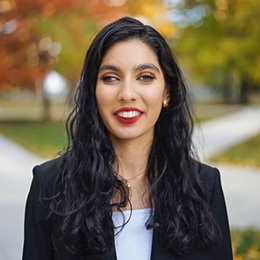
x=219, y=42
x=28, y=40
x=149, y=11
x=37, y=36
x=32, y=35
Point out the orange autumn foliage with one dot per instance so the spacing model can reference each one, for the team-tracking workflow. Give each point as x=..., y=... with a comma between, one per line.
x=24, y=63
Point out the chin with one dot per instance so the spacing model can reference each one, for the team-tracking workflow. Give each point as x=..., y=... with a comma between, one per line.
x=131, y=135
x=125, y=136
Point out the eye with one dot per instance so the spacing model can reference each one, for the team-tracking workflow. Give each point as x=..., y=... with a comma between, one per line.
x=146, y=78
x=109, y=79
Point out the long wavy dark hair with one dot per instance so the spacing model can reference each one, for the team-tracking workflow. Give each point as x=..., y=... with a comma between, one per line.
x=82, y=203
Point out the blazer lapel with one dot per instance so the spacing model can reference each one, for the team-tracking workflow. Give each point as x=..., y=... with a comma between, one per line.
x=157, y=252
x=111, y=255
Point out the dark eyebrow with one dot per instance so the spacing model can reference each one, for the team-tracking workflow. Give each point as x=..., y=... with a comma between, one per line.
x=137, y=68
x=109, y=67
x=147, y=66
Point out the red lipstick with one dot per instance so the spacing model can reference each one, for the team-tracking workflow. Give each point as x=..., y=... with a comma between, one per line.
x=127, y=120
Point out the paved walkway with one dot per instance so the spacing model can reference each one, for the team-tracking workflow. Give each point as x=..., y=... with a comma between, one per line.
x=240, y=185
x=15, y=178
x=242, y=195
x=226, y=131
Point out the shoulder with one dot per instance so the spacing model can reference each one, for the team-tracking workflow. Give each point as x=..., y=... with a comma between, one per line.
x=45, y=177
x=47, y=171
x=210, y=178
x=43, y=186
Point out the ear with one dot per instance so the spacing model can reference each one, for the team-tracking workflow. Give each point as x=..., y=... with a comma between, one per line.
x=166, y=96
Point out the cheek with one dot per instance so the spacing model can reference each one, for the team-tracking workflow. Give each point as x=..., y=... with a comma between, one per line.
x=105, y=95
x=102, y=96
x=155, y=97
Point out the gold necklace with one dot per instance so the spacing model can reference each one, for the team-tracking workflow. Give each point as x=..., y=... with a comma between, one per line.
x=126, y=181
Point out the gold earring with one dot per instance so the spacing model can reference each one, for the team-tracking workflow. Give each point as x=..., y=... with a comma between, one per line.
x=165, y=103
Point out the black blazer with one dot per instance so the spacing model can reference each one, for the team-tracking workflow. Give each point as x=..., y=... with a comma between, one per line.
x=38, y=242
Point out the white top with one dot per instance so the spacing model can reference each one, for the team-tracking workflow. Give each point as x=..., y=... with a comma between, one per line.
x=134, y=241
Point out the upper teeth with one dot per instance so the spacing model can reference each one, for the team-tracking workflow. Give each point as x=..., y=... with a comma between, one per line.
x=128, y=114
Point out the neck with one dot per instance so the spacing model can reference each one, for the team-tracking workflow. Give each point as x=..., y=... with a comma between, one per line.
x=132, y=160
x=132, y=156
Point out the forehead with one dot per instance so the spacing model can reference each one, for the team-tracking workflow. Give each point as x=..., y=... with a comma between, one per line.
x=130, y=53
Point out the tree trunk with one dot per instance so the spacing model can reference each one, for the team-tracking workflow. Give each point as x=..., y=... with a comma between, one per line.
x=46, y=109
x=227, y=90
x=244, y=89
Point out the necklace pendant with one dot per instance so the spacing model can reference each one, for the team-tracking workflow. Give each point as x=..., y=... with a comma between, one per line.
x=128, y=185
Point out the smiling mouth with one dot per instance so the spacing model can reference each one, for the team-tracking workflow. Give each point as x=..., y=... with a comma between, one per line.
x=128, y=114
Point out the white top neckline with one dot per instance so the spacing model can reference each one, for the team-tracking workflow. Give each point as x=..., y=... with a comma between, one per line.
x=134, y=211
x=134, y=241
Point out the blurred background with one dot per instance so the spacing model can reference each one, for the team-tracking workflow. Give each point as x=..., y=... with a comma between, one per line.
x=216, y=42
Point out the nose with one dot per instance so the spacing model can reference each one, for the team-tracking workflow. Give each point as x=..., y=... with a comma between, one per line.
x=127, y=91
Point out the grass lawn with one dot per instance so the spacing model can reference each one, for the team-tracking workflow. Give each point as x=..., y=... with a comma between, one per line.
x=206, y=112
x=246, y=244
x=43, y=138
x=244, y=154
x=48, y=138
x=19, y=123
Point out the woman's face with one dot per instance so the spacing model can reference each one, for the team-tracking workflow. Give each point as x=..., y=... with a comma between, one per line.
x=130, y=90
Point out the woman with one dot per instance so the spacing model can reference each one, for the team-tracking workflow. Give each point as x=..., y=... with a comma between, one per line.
x=127, y=186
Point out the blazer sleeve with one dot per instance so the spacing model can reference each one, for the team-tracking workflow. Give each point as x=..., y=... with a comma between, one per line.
x=219, y=211
x=37, y=230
